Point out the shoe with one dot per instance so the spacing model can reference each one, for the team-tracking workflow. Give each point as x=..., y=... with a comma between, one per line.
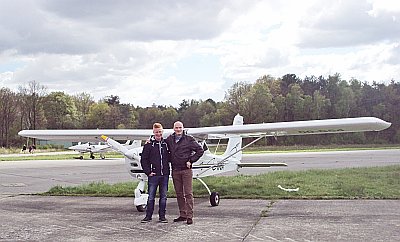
x=179, y=219
x=189, y=221
x=146, y=220
x=163, y=220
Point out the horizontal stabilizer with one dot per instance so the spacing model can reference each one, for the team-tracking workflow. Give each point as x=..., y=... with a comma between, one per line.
x=271, y=164
x=207, y=166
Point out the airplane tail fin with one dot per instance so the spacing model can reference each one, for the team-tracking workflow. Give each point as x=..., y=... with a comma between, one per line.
x=133, y=144
x=234, y=146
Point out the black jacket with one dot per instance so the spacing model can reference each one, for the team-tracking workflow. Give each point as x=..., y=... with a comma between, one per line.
x=187, y=149
x=155, y=157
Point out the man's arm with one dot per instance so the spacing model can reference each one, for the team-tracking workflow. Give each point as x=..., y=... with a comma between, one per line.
x=198, y=151
x=144, y=160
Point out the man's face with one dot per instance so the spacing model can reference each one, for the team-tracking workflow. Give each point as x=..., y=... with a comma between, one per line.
x=158, y=132
x=178, y=128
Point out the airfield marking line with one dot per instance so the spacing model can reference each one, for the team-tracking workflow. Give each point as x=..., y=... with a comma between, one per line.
x=221, y=235
x=274, y=239
x=239, y=236
x=127, y=228
x=85, y=227
x=91, y=227
x=58, y=226
x=196, y=231
x=116, y=229
x=148, y=230
x=162, y=230
x=255, y=237
x=290, y=239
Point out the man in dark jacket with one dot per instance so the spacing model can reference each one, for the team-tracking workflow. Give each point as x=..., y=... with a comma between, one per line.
x=155, y=164
x=184, y=152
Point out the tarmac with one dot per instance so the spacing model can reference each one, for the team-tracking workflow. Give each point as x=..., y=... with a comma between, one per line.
x=48, y=218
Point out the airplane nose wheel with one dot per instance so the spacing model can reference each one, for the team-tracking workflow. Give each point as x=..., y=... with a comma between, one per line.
x=141, y=208
x=214, y=199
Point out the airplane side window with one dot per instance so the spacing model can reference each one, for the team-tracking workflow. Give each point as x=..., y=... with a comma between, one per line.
x=205, y=147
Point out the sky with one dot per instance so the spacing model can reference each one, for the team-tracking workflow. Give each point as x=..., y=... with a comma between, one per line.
x=162, y=52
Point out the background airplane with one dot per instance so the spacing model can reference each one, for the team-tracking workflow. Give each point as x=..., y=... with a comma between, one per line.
x=91, y=148
x=98, y=148
x=211, y=164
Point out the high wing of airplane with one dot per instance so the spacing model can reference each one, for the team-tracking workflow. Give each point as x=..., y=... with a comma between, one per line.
x=210, y=164
x=98, y=148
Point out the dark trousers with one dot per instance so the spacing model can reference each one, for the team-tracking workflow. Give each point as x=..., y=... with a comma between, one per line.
x=184, y=191
x=162, y=183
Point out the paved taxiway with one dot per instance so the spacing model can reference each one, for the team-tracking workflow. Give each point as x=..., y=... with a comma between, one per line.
x=39, y=218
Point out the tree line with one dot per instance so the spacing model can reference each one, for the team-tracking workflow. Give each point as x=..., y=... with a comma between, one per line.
x=268, y=99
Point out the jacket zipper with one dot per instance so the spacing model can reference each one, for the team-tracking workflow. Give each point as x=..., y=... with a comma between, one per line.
x=161, y=157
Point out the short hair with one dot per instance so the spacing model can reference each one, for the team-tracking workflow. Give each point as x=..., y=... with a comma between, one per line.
x=178, y=122
x=157, y=125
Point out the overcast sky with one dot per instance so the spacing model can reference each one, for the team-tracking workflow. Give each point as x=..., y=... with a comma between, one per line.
x=162, y=52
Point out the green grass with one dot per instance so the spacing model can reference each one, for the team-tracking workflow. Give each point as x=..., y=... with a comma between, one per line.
x=350, y=183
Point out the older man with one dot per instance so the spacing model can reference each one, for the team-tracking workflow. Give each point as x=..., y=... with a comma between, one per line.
x=184, y=152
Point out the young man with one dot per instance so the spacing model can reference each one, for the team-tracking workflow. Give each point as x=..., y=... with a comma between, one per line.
x=155, y=163
x=184, y=151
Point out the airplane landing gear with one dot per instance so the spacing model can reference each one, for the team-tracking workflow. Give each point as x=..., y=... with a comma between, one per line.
x=141, y=197
x=214, y=199
x=141, y=208
x=214, y=196
x=91, y=156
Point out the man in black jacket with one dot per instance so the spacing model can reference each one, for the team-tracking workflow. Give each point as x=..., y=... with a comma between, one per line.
x=184, y=152
x=155, y=164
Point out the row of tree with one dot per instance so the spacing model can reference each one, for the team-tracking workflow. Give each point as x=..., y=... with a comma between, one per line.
x=268, y=99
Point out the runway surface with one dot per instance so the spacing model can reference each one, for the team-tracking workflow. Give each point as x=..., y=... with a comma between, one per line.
x=41, y=218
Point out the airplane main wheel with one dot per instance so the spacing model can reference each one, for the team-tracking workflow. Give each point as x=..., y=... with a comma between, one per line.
x=214, y=199
x=81, y=157
x=92, y=156
x=141, y=208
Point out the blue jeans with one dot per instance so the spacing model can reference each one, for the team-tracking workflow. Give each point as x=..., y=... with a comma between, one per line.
x=162, y=183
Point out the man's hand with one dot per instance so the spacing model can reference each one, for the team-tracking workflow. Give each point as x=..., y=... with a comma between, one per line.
x=188, y=164
x=152, y=174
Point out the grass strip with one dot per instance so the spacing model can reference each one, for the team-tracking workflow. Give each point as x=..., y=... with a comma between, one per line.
x=349, y=183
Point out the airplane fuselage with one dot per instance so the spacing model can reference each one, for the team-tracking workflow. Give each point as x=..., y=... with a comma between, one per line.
x=209, y=164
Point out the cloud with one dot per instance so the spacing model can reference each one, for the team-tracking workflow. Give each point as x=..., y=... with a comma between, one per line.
x=165, y=51
x=346, y=23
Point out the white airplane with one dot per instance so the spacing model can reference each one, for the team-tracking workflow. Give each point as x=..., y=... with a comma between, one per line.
x=91, y=148
x=210, y=164
x=98, y=148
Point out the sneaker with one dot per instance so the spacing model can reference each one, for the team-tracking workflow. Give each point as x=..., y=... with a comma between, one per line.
x=146, y=220
x=179, y=219
x=163, y=220
x=189, y=221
